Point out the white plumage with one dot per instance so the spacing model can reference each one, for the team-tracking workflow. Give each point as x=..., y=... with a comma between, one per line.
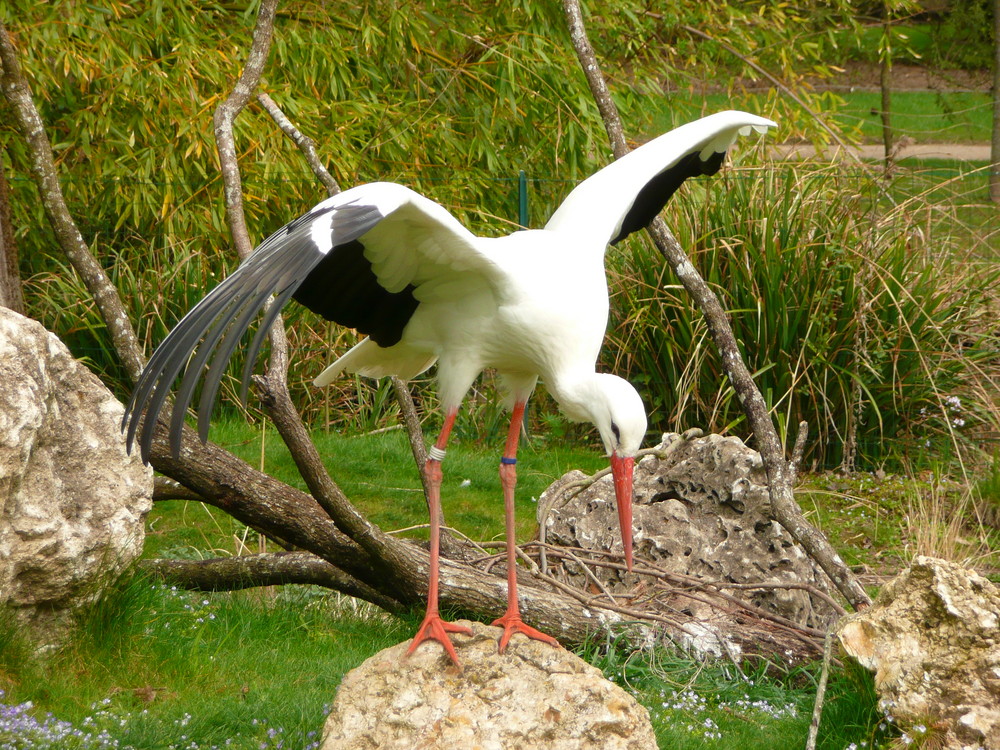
x=400, y=268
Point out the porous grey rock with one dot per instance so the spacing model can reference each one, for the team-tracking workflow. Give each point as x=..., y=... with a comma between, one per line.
x=701, y=509
x=72, y=502
x=533, y=697
x=932, y=638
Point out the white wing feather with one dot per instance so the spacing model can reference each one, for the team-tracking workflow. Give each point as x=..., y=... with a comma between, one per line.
x=597, y=206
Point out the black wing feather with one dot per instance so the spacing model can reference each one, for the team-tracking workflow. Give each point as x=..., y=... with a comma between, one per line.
x=344, y=289
x=222, y=336
x=655, y=194
x=280, y=265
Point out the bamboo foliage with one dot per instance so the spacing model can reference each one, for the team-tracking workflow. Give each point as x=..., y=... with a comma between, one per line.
x=454, y=101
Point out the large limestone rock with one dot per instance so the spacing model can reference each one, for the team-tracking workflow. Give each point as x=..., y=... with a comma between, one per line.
x=533, y=697
x=72, y=502
x=932, y=637
x=701, y=509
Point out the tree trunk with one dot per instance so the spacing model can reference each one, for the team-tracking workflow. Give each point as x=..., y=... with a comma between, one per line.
x=885, y=86
x=18, y=95
x=995, y=143
x=10, y=273
x=250, y=571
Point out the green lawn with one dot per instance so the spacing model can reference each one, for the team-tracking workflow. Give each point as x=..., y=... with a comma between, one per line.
x=154, y=667
x=925, y=116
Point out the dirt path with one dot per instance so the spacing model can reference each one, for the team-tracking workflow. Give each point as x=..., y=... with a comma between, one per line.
x=865, y=77
x=875, y=152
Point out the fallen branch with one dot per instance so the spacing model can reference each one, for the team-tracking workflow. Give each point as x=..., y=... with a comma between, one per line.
x=267, y=569
x=165, y=488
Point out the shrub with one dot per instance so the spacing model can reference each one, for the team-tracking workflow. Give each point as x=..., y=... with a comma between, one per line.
x=850, y=317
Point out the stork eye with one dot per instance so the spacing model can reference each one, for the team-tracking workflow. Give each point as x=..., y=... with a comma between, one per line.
x=618, y=433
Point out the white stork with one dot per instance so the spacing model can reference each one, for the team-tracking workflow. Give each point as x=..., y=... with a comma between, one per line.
x=400, y=269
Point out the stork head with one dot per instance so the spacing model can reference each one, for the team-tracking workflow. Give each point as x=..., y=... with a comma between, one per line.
x=620, y=417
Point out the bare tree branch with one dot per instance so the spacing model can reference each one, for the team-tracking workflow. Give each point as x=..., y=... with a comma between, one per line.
x=817, y=713
x=226, y=114
x=779, y=473
x=306, y=144
x=411, y=420
x=165, y=488
x=798, y=451
x=269, y=569
x=18, y=95
x=274, y=386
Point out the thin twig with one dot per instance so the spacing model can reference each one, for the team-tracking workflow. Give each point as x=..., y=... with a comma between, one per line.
x=798, y=451
x=411, y=421
x=165, y=488
x=820, y=692
x=305, y=144
x=383, y=430
x=451, y=530
x=692, y=588
x=227, y=112
x=589, y=574
x=808, y=588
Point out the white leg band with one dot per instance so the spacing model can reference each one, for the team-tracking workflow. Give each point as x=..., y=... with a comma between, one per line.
x=435, y=453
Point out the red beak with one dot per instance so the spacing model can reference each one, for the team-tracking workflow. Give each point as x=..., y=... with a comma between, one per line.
x=621, y=469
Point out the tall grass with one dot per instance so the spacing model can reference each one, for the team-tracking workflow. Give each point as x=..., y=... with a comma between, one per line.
x=945, y=521
x=851, y=317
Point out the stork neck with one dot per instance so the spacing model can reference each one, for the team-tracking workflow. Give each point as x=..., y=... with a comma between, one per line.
x=576, y=394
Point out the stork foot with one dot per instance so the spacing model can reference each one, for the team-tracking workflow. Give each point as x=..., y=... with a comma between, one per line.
x=433, y=628
x=512, y=623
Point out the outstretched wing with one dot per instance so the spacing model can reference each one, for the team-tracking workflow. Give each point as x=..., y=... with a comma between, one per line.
x=628, y=193
x=358, y=258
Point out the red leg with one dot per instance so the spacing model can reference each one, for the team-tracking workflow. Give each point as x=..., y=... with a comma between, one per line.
x=433, y=627
x=511, y=620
